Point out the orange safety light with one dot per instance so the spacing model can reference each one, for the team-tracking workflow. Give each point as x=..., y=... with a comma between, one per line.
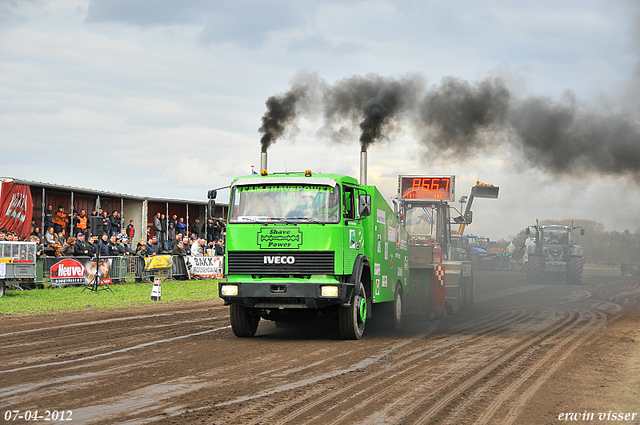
x=307, y=173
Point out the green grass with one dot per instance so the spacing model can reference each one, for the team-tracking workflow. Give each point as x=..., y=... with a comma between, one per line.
x=601, y=271
x=73, y=299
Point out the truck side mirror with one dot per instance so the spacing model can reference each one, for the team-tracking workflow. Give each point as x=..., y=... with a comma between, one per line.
x=364, y=205
x=212, y=194
x=581, y=232
x=468, y=218
x=527, y=231
x=212, y=208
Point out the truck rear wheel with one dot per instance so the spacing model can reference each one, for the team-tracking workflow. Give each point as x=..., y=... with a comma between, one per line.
x=396, y=311
x=243, y=323
x=352, y=319
x=574, y=271
x=534, y=269
x=2, y=288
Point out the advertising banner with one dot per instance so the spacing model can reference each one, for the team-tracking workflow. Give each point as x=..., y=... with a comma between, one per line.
x=16, y=209
x=158, y=262
x=80, y=272
x=205, y=267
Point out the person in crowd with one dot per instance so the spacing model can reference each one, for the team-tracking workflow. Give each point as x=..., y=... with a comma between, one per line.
x=68, y=249
x=115, y=249
x=114, y=220
x=220, y=247
x=92, y=246
x=59, y=220
x=154, y=246
x=142, y=249
x=49, y=237
x=178, y=249
x=124, y=243
x=196, y=248
x=187, y=245
x=181, y=226
x=47, y=219
x=157, y=225
x=62, y=236
x=39, y=247
x=210, y=226
x=131, y=230
x=106, y=223
x=3, y=236
x=195, y=228
x=171, y=229
x=103, y=245
x=163, y=232
x=80, y=247
x=81, y=222
x=211, y=249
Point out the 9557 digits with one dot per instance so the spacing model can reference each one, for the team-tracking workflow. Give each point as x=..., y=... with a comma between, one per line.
x=35, y=415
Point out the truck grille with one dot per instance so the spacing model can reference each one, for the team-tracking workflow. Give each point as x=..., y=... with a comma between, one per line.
x=281, y=263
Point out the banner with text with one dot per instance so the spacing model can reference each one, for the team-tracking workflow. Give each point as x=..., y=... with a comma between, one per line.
x=205, y=267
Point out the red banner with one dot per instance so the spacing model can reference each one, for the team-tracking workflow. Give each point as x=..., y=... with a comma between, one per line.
x=16, y=209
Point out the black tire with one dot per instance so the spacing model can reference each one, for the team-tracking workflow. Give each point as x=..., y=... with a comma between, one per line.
x=243, y=323
x=574, y=271
x=352, y=319
x=396, y=310
x=534, y=269
x=2, y=288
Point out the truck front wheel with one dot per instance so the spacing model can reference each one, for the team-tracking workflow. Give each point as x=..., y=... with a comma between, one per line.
x=243, y=323
x=2, y=288
x=351, y=320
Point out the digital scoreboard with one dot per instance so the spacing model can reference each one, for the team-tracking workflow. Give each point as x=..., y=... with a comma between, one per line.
x=427, y=188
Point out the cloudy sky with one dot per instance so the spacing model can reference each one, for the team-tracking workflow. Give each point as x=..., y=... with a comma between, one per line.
x=165, y=98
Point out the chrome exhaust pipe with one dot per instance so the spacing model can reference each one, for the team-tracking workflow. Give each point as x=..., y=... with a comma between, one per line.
x=363, y=168
x=263, y=161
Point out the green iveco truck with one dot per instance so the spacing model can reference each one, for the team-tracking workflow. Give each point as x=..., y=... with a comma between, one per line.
x=308, y=246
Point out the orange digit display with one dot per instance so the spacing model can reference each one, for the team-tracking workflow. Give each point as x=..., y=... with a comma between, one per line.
x=426, y=188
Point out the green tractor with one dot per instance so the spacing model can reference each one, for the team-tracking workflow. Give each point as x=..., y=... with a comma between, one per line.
x=551, y=255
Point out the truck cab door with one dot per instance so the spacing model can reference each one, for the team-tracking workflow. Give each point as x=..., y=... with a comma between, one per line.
x=353, y=235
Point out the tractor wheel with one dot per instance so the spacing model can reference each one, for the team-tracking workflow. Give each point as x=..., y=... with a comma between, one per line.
x=574, y=271
x=243, y=323
x=2, y=288
x=352, y=319
x=534, y=269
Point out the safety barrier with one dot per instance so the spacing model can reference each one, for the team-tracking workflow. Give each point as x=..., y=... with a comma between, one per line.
x=121, y=269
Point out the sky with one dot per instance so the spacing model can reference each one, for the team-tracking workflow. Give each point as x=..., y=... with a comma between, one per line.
x=166, y=98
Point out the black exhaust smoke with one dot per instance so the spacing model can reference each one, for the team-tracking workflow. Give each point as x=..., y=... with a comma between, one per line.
x=458, y=118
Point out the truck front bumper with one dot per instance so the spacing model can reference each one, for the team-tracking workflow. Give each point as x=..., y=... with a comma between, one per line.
x=285, y=295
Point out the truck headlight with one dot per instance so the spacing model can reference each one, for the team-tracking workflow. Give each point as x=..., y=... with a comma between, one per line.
x=329, y=291
x=229, y=290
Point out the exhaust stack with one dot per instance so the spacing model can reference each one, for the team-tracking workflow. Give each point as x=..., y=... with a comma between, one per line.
x=363, y=168
x=263, y=161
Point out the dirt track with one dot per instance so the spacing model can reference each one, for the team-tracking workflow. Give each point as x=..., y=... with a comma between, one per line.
x=526, y=354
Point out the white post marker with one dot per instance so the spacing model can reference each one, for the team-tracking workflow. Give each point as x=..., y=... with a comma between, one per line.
x=156, y=291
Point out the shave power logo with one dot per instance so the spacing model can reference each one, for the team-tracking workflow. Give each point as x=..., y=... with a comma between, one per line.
x=279, y=238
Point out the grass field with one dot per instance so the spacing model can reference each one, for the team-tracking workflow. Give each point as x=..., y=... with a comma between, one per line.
x=73, y=299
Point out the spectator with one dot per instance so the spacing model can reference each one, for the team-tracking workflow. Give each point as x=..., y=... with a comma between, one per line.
x=49, y=238
x=106, y=223
x=195, y=228
x=103, y=245
x=115, y=249
x=141, y=249
x=62, y=237
x=196, y=248
x=187, y=245
x=115, y=222
x=178, y=249
x=92, y=246
x=171, y=227
x=163, y=232
x=181, y=226
x=211, y=249
x=3, y=236
x=220, y=247
x=47, y=219
x=80, y=247
x=131, y=230
x=157, y=225
x=39, y=247
x=154, y=246
x=68, y=249
x=59, y=220
x=82, y=222
x=210, y=226
x=124, y=243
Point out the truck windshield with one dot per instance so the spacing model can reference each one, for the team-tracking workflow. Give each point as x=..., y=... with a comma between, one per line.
x=285, y=203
